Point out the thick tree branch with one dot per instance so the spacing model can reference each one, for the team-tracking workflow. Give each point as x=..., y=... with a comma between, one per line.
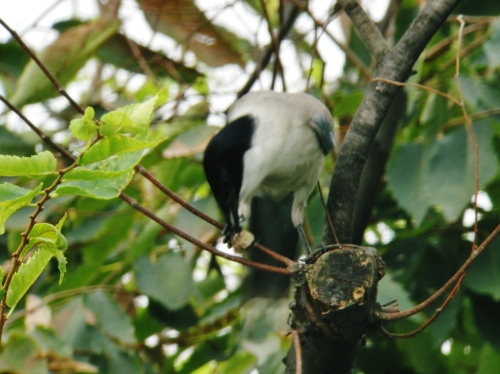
x=395, y=65
x=369, y=32
x=374, y=169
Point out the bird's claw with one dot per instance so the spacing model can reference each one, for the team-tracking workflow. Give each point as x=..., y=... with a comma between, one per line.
x=228, y=233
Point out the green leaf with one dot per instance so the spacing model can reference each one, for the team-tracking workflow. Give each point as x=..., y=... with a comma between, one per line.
x=441, y=173
x=478, y=8
x=141, y=114
x=61, y=222
x=63, y=58
x=492, y=45
x=479, y=93
x=489, y=360
x=483, y=276
x=96, y=184
x=12, y=198
x=21, y=355
x=115, y=145
x=50, y=239
x=48, y=234
x=14, y=58
x=41, y=164
x=84, y=128
x=111, y=318
x=486, y=312
x=115, y=122
x=61, y=265
x=406, y=180
x=167, y=280
x=26, y=275
x=49, y=341
x=389, y=290
x=16, y=144
x=240, y=362
x=118, y=51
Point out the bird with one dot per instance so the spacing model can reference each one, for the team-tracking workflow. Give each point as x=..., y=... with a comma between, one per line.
x=273, y=145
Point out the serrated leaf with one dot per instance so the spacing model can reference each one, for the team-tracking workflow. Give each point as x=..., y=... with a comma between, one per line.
x=61, y=265
x=61, y=222
x=53, y=241
x=84, y=128
x=48, y=234
x=63, y=58
x=12, y=198
x=115, y=122
x=116, y=145
x=167, y=280
x=26, y=275
x=96, y=184
x=41, y=164
x=141, y=114
x=121, y=162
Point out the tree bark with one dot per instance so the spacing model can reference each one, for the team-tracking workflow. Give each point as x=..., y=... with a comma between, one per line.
x=331, y=333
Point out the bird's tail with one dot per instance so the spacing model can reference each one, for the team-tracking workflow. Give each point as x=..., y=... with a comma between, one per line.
x=272, y=227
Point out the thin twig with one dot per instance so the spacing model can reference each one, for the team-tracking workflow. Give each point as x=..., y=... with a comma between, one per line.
x=244, y=261
x=437, y=312
x=276, y=45
x=151, y=215
x=298, y=351
x=459, y=275
x=438, y=48
x=350, y=55
x=469, y=129
x=328, y=218
x=418, y=308
x=284, y=260
x=421, y=86
x=268, y=51
x=47, y=73
x=460, y=120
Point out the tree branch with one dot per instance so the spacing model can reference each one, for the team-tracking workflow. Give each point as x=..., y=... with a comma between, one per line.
x=395, y=65
x=368, y=31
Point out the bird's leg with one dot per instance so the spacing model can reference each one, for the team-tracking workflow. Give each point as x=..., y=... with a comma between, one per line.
x=303, y=236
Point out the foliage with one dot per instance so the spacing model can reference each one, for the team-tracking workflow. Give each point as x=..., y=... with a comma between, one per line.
x=117, y=292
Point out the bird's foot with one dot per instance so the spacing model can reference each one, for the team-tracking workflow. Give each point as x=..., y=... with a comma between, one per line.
x=303, y=236
x=228, y=233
